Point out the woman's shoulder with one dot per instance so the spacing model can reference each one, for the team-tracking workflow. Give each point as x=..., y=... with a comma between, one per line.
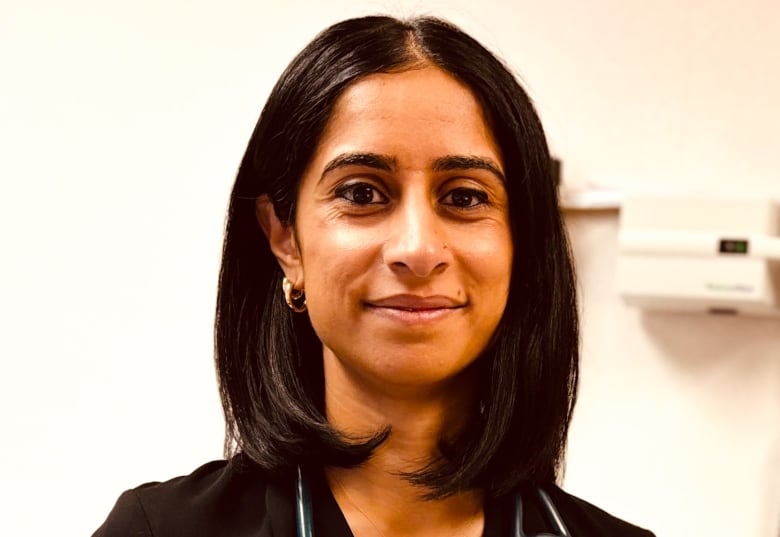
x=583, y=518
x=226, y=497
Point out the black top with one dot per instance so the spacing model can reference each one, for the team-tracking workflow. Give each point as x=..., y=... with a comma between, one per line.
x=236, y=499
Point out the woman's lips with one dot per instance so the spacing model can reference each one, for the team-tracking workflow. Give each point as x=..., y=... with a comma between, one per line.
x=416, y=302
x=413, y=309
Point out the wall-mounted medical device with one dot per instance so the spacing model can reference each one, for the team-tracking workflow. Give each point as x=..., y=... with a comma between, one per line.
x=700, y=253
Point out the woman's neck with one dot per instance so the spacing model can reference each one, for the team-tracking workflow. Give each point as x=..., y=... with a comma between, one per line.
x=376, y=499
x=377, y=504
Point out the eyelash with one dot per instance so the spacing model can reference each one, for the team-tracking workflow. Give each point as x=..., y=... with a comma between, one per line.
x=474, y=194
x=347, y=192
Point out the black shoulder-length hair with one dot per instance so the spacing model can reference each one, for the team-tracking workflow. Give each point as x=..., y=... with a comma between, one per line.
x=269, y=359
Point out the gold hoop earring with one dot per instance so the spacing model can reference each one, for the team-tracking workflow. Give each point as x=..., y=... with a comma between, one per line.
x=295, y=298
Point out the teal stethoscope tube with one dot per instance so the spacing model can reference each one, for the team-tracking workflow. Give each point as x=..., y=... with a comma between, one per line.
x=305, y=520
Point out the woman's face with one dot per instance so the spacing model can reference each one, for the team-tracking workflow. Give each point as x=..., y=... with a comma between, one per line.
x=402, y=235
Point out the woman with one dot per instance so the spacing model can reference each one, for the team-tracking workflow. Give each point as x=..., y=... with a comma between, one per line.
x=396, y=328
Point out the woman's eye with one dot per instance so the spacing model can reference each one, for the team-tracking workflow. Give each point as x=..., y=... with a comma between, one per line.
x=360, y=194
x=465, y=197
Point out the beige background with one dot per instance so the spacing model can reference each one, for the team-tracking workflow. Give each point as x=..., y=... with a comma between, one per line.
x=121, y=127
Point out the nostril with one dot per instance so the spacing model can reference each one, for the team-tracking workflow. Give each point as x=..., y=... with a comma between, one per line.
x=416, y=244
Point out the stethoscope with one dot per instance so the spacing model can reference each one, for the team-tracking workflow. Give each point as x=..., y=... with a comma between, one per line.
x=305, y=519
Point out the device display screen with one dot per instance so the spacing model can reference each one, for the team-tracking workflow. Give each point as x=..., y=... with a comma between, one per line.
x=734, y=246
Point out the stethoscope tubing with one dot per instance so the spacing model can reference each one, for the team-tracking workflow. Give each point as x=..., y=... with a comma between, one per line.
x=554, y=517
x=304, y=517
x=303, y=513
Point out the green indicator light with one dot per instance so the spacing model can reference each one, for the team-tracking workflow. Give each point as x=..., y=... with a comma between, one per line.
x=734, y=246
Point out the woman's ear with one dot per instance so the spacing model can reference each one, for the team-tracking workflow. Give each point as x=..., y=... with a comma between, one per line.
x=281, y=237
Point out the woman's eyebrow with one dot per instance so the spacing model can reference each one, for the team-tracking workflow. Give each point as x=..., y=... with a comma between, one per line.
x=468, y=162
x=388, y=164
x=369, y=160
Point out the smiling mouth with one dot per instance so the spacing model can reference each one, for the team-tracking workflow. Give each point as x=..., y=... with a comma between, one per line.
x=413, y=316
x=412, y=310
x=412, y=303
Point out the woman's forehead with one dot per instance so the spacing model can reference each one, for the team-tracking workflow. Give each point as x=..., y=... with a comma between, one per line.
x=411, y=116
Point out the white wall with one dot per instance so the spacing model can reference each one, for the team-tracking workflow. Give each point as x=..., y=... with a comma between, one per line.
x=121, y=127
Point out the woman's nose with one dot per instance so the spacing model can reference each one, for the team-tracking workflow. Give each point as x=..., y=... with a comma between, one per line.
x=416, y=241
